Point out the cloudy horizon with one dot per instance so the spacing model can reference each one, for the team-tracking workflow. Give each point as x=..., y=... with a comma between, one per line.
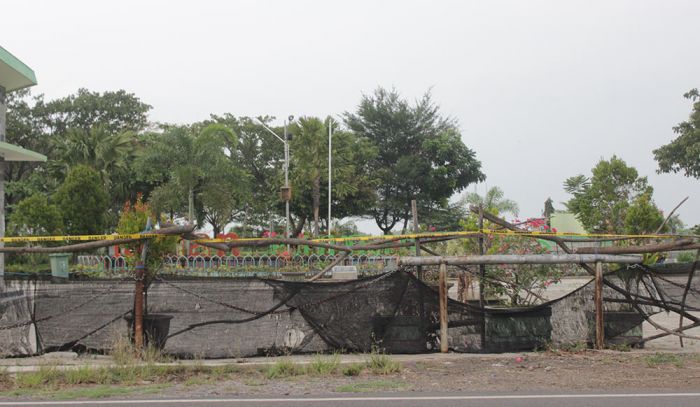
x=542, y=90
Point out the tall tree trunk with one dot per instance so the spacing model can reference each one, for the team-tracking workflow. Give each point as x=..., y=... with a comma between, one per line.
x=316, y=196
x=190, y=215
x=299, y=227
x=190, y=206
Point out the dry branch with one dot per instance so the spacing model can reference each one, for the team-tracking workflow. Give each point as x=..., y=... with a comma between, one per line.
x=649, y=248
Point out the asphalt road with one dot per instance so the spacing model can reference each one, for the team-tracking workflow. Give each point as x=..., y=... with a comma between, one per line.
x=409, y=400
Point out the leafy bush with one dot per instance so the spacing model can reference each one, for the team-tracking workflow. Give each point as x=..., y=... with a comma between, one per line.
x=83, y=201
x=133, y=220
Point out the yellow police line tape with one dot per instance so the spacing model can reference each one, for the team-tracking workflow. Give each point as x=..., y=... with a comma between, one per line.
x=20, y=239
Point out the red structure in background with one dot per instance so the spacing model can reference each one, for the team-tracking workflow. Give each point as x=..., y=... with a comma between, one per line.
x=195, y=249
x=199, y=250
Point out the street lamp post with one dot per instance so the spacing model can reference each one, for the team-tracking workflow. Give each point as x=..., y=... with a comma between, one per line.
x=286, y=178
x=330, y=162
x=285, y=141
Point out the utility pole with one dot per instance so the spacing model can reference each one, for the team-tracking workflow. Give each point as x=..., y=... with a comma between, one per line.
x=287, y=191
x=330, y=161
x=286, y=182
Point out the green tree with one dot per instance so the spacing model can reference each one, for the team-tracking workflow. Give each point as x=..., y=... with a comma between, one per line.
x=602, y=202
x=110, y=154
x=181, y=162
x=260, y=155
x=311, y=135
x=115, y=111
x=683, y=153
x=224, y=197
x=82, y=128
x=643, y=216
x=493, y=202
x=36, y=216
x=352, y=189
x=420, y=155
x=83, y=201
x=548, y=209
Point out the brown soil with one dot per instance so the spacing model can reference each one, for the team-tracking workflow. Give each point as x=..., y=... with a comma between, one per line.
x=585, y=371
x=536, y=372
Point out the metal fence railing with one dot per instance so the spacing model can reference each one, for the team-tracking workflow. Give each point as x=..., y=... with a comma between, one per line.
x=243, y=266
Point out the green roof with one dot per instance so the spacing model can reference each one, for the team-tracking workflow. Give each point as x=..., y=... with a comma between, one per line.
x=14, y=74
x=11, y=152
x=566, y=222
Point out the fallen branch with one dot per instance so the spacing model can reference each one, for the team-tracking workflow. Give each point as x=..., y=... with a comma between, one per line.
x=670, y=214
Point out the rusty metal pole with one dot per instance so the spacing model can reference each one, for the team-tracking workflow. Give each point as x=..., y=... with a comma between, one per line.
x=138, y=305
x=444, y=345
x=416, y=229
x=482, y=277
x=599, y=327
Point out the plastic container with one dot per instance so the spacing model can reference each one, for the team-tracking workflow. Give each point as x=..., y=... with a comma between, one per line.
x=59, y=264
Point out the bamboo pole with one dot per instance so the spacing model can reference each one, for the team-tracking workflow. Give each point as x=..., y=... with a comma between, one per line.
x=138, y=306
x=444, y=346
x=416, y=229
x=517, y=259
x=599, y=327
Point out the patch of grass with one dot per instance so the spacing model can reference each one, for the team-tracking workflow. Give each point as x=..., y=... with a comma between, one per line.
x=45, y=376
x=323, y=365
x=576, y=347
x=663, y=359
x=621, y=347
x=354, y=369
x=125, y=353
x=283, y=368
x=382, y=364
x=371, y=386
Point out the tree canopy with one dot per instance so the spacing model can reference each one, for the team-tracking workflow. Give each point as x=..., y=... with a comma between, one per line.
x=83, y=202
x=615, y=199
x=420, y=154
x=683, y=153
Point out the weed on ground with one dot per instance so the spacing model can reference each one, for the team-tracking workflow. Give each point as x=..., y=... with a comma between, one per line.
x=372, y=386
x=659, y=359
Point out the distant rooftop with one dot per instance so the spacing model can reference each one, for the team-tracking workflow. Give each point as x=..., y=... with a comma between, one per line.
x=14, y=74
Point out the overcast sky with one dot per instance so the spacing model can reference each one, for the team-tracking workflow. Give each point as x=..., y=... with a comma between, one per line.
x=542, y=89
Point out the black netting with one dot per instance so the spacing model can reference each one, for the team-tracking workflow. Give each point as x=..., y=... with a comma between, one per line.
x=394, y=311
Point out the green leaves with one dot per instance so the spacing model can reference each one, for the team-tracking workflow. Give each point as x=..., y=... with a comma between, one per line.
x=420, y=154
x=83, y=202
x=35, y=216
x=602, y=202
x=683, y=153
x=194, y=160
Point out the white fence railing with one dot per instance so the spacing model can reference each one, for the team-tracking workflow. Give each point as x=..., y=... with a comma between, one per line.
x=242, y=265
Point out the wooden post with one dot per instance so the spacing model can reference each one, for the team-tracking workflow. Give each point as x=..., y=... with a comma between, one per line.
x=416, y=229
x=443, y=309
x=599, y=328
x=138, y=305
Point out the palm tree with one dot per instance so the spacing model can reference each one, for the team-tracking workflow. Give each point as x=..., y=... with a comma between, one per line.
x=181, y=160
x=311, y=161
x=493, y=201
x=110, y=154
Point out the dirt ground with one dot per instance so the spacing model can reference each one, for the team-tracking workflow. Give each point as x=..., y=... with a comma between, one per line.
x=526, y=373
x=536, y=372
